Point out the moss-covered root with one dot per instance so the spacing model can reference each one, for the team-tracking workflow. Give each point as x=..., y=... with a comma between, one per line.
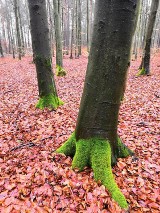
x=123, y=151
x=141, y=72
x=82, y=155
x=49, y=101
x=101, y=164
x=60, y=71
x=97, y=153
x=69, y=147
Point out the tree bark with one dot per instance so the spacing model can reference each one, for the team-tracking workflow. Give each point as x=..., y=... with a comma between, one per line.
x=72, y=30
x=42, y=55
x=95, y=141
x=1, y=49
x=18, y=29
x=88, y=27
x=58, y=34
x=79, y=27
x=145, y=64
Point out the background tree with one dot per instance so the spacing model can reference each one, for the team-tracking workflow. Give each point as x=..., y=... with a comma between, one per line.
x=58, y=37
x=145, y=64
x=95, y=142
x=76, y=31
x=1, y=49
x=42, y=55
x=16, y=10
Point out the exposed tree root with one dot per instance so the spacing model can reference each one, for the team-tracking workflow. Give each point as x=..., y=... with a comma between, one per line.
x=96, y=153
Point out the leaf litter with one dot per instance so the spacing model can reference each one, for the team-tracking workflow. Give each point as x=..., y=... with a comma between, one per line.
x=34, y=179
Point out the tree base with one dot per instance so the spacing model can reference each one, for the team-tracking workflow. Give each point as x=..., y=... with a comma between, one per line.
x=49, y=101
x=60, y=71
x=96, y=153
x=142, y=72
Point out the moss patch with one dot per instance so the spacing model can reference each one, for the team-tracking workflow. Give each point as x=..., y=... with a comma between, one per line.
x=123, y=151
x=96, y=153
x=60, y=71
x=101, y=164
x=141, y=72
x=69, y=147
x=49, y=101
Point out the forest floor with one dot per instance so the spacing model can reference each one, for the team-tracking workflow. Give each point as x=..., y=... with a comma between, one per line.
x=35, y=179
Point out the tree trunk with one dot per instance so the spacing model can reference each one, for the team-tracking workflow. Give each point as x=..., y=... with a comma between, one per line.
x=145, y=64
x=95, y=141
x=58, y=36
x=42, y=55
x=21, y=32
x=18, y=29
x=79, y=27
x=88, y=27
x=1, y=49
x=72, y=30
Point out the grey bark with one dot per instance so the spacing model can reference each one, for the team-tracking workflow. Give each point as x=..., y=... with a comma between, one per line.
x=79, y=27
x=21, y=31
x=1, y=49
x=41, y=47
x=18, y=29
x=72, y=30
x=88, y=27
x=58, y=32
x=107, y=70
x=146, y=56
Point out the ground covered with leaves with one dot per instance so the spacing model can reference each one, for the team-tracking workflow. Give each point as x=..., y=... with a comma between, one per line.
x=35, y=179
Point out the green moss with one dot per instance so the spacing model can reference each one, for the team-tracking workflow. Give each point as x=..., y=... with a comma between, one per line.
x=82, y=155
x=48, y=63
x=141, y=72
x=101, y=164
x=96, y=153
x=60, y=71
x=123, y=151
x=69, y=147
x=50, y=101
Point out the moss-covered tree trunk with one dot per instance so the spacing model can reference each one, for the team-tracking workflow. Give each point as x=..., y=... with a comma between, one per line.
x=42, y=55
x=95, y=141
x=145, y=64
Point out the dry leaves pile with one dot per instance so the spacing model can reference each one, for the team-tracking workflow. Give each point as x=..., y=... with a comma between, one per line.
x=35, y=179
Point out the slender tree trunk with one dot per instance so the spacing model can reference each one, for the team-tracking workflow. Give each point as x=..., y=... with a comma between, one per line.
x=1, y=49
x=21, y=32
x=88, y=27
x=12, y=41
x=72, y=30
x=18, y=29
x=95, y=139
x=4, y=37
x=42, y=55
x=79, y=27
x=67, y=27
x=58, y=36
x=147, y=49
x=145, y=64
x=50, y=10
x=76, y=31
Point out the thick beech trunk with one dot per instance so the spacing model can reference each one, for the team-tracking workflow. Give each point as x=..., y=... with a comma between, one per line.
x=42, y=55
x=95, y=141
x=145, y=64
